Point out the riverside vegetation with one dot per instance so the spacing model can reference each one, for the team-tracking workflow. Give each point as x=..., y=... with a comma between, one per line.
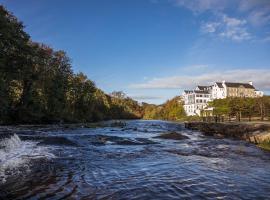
x=38, y=85
x=242, y=108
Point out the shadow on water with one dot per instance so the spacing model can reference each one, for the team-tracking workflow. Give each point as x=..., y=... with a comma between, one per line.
x=139, y=160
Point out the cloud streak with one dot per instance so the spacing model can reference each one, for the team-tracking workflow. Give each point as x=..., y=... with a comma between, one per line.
x=260, y=78
x=144, y=97
x=199, y=6
x=255, y=12
x=259, y=11
x=227, y=27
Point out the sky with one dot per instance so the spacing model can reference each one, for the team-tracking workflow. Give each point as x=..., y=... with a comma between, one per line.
x=154, y=49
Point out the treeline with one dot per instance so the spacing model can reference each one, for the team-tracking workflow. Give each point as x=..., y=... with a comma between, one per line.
x=242, y=107
x=38, y=85
x=170, y=110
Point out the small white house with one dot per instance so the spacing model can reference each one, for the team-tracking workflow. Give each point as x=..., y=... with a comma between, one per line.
x=218, y=90
x=258, y=93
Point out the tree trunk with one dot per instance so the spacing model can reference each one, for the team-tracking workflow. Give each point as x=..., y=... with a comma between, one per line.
x=261, y=112
x=25, y=94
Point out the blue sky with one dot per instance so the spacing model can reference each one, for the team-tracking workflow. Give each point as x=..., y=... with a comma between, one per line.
x=153, y=49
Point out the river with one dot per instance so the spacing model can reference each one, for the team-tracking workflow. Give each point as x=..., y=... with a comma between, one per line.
x=129, y=162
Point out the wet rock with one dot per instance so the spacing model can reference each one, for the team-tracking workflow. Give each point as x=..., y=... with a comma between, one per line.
x=98, y=139
x=130, y=129
x=115, y=140
x=32, y=137
x=172, y=136
x=219, y=136
x=57, y=141
x=118, y=124
x=127, y=142
x=94, y=125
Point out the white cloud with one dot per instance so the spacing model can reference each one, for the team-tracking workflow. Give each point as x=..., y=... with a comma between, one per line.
x=260, y=78
x=144, y=97
x=258, y=11
x=199, y=6
x=255, y=12
x=227, y=27
x=260, y=17
x=210, y=27
x=233, y=22
x=196, y=67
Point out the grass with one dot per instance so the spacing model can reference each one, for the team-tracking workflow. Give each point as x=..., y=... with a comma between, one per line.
x=265, y=145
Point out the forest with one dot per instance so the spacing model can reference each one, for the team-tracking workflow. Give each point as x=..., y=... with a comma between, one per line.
x=38, y=85
x=171, y=110
x=239, y=108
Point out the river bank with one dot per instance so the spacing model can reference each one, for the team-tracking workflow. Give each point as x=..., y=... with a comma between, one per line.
x=257, y=133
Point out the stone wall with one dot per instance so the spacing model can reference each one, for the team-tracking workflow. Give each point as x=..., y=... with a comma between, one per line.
x=255, y=133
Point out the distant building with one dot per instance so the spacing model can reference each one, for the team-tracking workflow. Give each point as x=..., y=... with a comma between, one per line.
x=218, y=91
x=258, y=93
x=239, y=89
x=197, y=100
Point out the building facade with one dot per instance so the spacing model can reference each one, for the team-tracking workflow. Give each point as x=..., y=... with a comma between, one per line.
x=195, y=101
x=258, y=93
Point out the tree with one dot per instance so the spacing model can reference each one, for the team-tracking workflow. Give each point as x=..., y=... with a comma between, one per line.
x=170, y=110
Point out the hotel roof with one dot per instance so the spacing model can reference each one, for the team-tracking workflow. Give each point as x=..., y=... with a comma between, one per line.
x=245, y=85
x=202, y=87
x=219, y=84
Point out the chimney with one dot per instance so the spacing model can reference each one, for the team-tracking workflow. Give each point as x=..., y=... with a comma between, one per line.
x=250, y=83
x=223, y=82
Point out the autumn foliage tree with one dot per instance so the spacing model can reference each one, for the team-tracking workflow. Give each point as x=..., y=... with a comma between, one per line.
x=38, y=85
x=240, y=107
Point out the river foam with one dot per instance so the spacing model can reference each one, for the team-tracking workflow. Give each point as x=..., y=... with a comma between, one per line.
x=16, y=155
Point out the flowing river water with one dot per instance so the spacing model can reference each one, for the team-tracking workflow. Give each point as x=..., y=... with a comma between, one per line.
x=129, y=162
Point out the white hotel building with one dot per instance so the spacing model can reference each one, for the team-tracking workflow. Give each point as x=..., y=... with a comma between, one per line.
x=197, y=100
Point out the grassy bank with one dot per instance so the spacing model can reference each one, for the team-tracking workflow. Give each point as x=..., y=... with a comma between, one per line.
x=265, y=145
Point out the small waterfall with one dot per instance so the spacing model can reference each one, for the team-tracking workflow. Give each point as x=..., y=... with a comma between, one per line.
x=16, y=155
x=9, y=141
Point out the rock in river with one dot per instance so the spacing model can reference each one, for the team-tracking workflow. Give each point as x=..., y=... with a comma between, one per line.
x=172, y=136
